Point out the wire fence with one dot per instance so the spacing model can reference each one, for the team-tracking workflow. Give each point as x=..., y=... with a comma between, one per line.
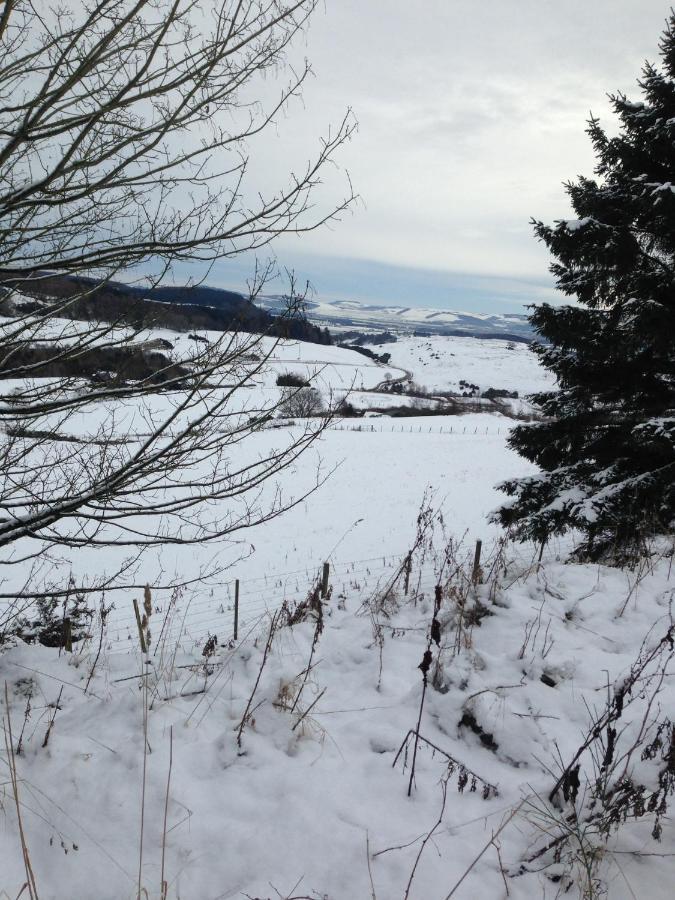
x=189, y=621
x=185, y=619
x=376, y=428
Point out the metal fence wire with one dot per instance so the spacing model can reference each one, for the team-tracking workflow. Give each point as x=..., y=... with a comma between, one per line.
x=191, y=620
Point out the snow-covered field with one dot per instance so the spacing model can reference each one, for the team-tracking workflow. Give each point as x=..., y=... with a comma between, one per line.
x=440, y=363
x=305, y=800
x=372, y=481
x=309, y=802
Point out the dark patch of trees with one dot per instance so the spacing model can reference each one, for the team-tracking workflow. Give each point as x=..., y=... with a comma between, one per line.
x=291, y=379
x=499, y=393
x=99, y=365
x=364, y=351
x=179, y=309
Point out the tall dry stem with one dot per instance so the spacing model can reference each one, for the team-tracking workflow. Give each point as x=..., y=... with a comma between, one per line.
x=11, y=760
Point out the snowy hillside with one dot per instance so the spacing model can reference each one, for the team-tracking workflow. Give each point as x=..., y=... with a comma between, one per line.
x=278, y=764
x=317, y=599
x=353, y=515
x=441, y=362
x=340, y=315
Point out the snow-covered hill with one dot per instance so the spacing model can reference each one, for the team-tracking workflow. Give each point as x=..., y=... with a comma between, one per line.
x=440, y=363
x=340, y=315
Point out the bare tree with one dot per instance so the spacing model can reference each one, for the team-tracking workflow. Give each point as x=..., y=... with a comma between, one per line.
x=301, y=402
x=125, y=133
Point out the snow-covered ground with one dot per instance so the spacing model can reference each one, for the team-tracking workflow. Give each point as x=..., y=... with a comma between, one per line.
x=305, y=800
x=309, y=801
x=370, y=481
x=440, y=363
x=366, y=508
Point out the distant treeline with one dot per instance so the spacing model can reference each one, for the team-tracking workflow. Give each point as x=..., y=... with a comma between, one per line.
x=481, y=335
x=176, y=308
x=364, y=351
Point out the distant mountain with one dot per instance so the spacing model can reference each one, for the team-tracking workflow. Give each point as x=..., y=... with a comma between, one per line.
x=350, y=314
x=215, y=308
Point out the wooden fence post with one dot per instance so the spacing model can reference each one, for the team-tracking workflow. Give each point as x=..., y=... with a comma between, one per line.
x=476, y=562
x=236, y=609
x=141, y=636
x=407, y=570
x=324, y=579
x=67, y=636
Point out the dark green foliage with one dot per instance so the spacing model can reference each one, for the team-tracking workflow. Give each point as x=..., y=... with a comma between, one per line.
x=364, y=351
x=607, y=447
x=46, y=622
x=347, y=410
x=291, y=379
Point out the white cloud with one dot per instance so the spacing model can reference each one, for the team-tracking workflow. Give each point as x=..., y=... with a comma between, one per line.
x=471, y=115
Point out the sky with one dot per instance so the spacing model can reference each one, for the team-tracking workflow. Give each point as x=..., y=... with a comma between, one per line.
x=471, y=115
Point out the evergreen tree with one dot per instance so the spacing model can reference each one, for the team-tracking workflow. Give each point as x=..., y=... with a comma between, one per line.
x=607, y=445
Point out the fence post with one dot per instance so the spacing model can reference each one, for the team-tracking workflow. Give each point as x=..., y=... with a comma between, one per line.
x=324, y=579
x=67, y=636
x=476, y=562
x=236, y=609
x=407, y=569
x=141, y=636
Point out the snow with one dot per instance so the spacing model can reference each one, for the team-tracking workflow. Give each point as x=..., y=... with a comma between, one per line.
x=576, y=224
x=309, y=802
x=316, y=805
x=346, y=315
x=440, y=363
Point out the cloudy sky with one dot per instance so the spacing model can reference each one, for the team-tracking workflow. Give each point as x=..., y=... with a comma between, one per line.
x=471, y=115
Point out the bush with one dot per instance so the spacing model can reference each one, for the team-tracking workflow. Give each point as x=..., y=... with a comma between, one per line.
x=348, y=411
x=498, y=394
x=291, y=379
x=46, y=623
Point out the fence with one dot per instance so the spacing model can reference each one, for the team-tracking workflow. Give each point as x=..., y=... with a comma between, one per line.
x=189, y=622
x=371, y=428
x=237, y=606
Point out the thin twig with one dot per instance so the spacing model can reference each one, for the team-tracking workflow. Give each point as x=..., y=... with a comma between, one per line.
x=145, y=767
x=486, y=848
x=11, y=758
x=163, y=882
x=51, y=721
x=268, y=646
x=428, y=836
x=309, y=708
x=373, y=896
x=104, y=615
